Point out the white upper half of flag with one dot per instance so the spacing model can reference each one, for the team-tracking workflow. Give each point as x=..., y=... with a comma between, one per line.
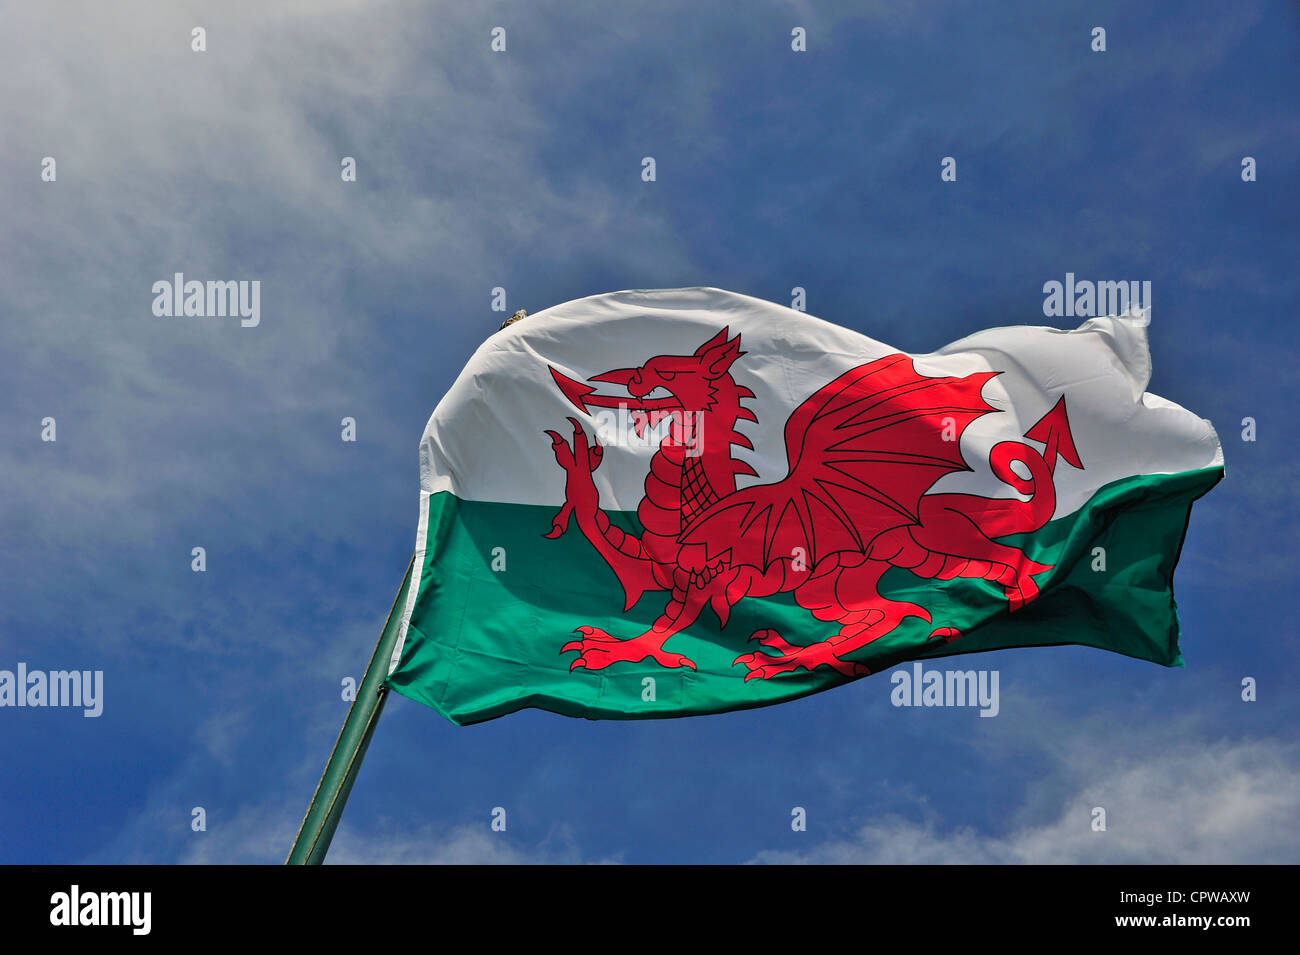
x=486, y=439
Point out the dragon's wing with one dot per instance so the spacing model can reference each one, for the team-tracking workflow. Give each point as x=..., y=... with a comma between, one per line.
x=862, y=452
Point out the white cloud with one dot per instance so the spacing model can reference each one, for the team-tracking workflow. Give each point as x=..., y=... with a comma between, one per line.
x=1222, y=803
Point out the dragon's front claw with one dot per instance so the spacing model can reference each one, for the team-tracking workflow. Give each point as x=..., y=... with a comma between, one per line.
x=577, y=460
x=563, y=454
x=560, y=522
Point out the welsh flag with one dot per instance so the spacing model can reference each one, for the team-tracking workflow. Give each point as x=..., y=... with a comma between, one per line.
x=667, y=503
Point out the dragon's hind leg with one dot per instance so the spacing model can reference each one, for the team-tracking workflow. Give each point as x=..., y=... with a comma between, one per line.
x=847, y=595
x=597, y=650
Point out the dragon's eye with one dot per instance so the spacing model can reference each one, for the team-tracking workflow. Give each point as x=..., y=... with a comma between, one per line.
x=667, y=375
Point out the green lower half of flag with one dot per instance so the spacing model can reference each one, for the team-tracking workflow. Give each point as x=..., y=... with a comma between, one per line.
x=496, y=601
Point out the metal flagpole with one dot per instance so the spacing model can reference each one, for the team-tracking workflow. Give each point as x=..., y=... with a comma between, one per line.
x=326, y=808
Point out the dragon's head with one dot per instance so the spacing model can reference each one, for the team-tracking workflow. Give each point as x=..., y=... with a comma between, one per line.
x=690, y=381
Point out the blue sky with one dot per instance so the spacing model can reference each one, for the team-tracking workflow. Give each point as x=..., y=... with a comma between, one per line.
x=522, y=170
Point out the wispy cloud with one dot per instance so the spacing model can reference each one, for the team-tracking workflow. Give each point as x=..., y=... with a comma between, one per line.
x=1219, y=803
x=263, y=834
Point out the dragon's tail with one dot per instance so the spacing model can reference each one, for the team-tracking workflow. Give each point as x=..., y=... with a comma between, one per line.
x=1019, y=517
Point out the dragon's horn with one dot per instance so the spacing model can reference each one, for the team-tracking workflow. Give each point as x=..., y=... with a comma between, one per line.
x=718, y=358
x=714, y=342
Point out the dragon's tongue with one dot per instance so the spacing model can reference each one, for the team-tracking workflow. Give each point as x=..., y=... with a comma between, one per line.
x=585, y=397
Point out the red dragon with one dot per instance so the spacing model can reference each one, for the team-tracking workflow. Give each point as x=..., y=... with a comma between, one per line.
x=863, y=452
